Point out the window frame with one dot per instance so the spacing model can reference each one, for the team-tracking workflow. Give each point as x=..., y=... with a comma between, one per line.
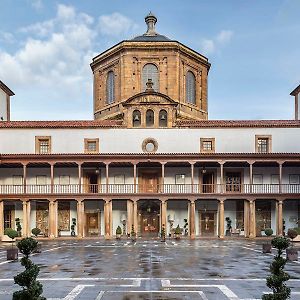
x=38, y=140
x=145, y=80
x=213, y=144
x=188, y=92
x=86, y=143
x=269, y=144
x=110, y=92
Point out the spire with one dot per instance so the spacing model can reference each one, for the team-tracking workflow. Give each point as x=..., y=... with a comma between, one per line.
x=150, y=20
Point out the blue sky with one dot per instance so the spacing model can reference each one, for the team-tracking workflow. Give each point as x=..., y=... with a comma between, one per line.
x=253, y=46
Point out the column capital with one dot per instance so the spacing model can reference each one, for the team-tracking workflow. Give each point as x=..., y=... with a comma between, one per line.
x=251, y=201
x=24, y=165
x=250, y=162
x=221, y=163
x=280, y=162
x=221, y=200
x=107, y=163
x=280, y=202
x=192, y=201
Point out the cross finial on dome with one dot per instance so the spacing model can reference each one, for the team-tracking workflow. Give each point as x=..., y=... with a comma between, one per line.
x=150, y=20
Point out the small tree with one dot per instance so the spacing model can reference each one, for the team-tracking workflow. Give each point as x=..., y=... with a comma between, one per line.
x=186, y=227
x=31, y=288
x=133, y=233
x=268, y=231
x=228, y=226
x=18, y=225
x=118, y=232
x=292, y=233
x=276, y=281
x=12, y=234
x=73, y=226
x=163, y=233
x=36, y=231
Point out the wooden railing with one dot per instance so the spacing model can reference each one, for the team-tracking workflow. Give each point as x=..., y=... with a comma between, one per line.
x=151, y=189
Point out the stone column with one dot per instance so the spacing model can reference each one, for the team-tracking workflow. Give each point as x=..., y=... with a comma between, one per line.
x=279, y=218
x=80, y=220
x=25, y=220
x=246, y=218
x=107, y=219
x=135, y=216
x=192, y=219
x=129, y=215
x=163, y=220
x=221, y=219
x=1, y=218
x=252, y=222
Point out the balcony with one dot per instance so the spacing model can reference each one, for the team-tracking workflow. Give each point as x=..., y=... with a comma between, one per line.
x=165, y=189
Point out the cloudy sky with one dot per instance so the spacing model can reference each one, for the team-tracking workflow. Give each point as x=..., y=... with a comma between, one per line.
x=254, y=48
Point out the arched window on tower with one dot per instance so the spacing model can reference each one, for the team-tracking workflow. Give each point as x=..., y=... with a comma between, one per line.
x=163, y=118
x=149, y=118
x=136, y=118
x=190, y=88
x=150, y=71
x=110, y=87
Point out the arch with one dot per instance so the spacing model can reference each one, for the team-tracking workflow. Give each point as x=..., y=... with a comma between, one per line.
x=136, y=118
x=149, y=118
x=163, y=118
x=110, y=87
x=150, y=71
x=190, y=88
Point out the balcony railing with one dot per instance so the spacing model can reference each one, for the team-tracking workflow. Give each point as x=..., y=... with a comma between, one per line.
x=151, y=189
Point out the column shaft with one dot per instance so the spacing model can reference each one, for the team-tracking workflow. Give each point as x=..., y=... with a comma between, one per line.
x=252, y=222
x=106, y=220
x=135, y=216
x=80, y=218
x=25, y=220
x=279, y=218
x=51, y=220
x=163, y=214
x=246, y=218
x=1, y=218
x=221, y=219
x=28, y=218
x=192, y=219
x=129, y=215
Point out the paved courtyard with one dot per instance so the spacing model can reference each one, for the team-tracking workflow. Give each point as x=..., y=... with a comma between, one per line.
x=150, y=269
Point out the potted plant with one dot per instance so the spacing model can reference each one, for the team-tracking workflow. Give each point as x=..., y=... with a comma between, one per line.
x=163, y=233
x=186, y=227
x=292, y=253
x=36, y=231
x=267, y=247
x=118, y=233
x=18, y=226
x=133, y=234
x=31, y=288
x=12, y=253
x=228, y=226
x=73, y=227
x=177, y=232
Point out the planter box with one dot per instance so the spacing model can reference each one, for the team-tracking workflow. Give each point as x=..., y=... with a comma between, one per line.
x=291, y=254
x=12, y=254
x=6, y=239
x=297, y=238
x=267, y=248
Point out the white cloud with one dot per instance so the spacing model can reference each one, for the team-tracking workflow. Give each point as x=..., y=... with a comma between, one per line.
x=6, y=37
x=37, y=4
x=210, y=46
x=115, y=24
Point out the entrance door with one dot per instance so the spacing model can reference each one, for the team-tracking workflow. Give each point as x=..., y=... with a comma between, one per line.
x=92, y=224
x=42, y=215
x=91, y=183
x=233, y=182
x=148, y=218
x=207, y=223
x=208, y=183
x=149, y=182
x=263, y=216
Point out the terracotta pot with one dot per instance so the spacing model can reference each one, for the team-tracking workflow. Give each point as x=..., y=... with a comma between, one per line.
x=118, y=236
x=267, y=248
x=291, y=254
x=177, y=236
x=12, y=254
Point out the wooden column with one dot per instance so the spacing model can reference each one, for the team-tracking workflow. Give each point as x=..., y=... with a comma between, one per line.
x=1, y=218
x=107, y=177
x=251, y=176
x=107, y=219
x=163, y=220
x=52, y=178
x=80, y=220
x=129, y=215
x=135, y=216
x=192, y=219
x=279, y=218
x=252, y=222
x=111, y=233
x=52, y=219
x=79, y=178
x=25, y=219
x=192, y=177
x=162, y=178
x=221, y=219
x=246, y=218
x=24, y=178
x=222, y=177
x=280, y=177
x=134, y=180
x=28, y=218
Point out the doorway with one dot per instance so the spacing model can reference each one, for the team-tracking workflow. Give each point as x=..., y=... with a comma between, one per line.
x=208, y=182
x=207, y=223
x=148, y=218
x=92, y=224
x=233, y=182
x=149, y=182
x=263, y=216
x=92, y=181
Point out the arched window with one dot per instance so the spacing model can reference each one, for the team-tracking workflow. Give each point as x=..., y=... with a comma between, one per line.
x=150, y=71
x=163, y=118
x=110, y=87
x=149, y=118
x=190, y=88
x=136, y=118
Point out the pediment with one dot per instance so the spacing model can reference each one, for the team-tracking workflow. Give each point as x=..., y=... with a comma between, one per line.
x=153, y=98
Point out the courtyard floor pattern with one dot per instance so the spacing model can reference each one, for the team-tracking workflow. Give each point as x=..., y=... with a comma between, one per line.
x=149, y=269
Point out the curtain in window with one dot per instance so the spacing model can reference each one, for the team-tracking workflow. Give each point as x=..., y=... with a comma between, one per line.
x=190, y=88
x=150, y=71
x=110, y=87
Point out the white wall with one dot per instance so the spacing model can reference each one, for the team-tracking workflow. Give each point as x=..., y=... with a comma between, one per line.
x=3, y=106
x=172, y=140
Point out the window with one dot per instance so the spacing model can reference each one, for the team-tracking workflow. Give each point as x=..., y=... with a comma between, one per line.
x=163, y=118
x=207, y=145
x=294, y=179
x=150, y=71
x=149, y=145
x=136, y=118
x=64, y=180
x=180, y=179
x=263, y=144
x=17, y=179
x=91, y=145
x=41, y=179
x=42, y=144
x=257, y=179
x=110, y=87
x=190, y=88
x=119, y=179
x=149, y=118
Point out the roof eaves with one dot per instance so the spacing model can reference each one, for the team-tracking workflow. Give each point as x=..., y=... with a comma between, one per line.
x=6, y=89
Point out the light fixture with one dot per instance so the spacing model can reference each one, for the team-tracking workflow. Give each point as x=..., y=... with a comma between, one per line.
x=97, y=171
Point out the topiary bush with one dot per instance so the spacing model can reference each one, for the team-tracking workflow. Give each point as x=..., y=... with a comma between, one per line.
x=31, y=288
x=36, y=231
x=297, y=229
x=292, y=233
x=276, y=281
x=268, y=231
x=118, y=231
x=12, y=234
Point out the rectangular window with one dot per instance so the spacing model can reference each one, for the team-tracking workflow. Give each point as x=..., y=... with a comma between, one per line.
x=41, y=179
x=64, y=179
x=275, y=179
x=91, y=145
x=257, y=179
x=180, y=179
x=207, y=145
x=119, y=179
x=263, y=144
x=294, y=179
x=42, y=144
x=17, y=179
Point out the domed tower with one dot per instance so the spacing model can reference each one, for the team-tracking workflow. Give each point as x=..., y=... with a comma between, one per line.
x=150, y=81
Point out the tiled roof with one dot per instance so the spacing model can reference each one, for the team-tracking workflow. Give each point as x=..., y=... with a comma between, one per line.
x=61, y=124
x=238, y=123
